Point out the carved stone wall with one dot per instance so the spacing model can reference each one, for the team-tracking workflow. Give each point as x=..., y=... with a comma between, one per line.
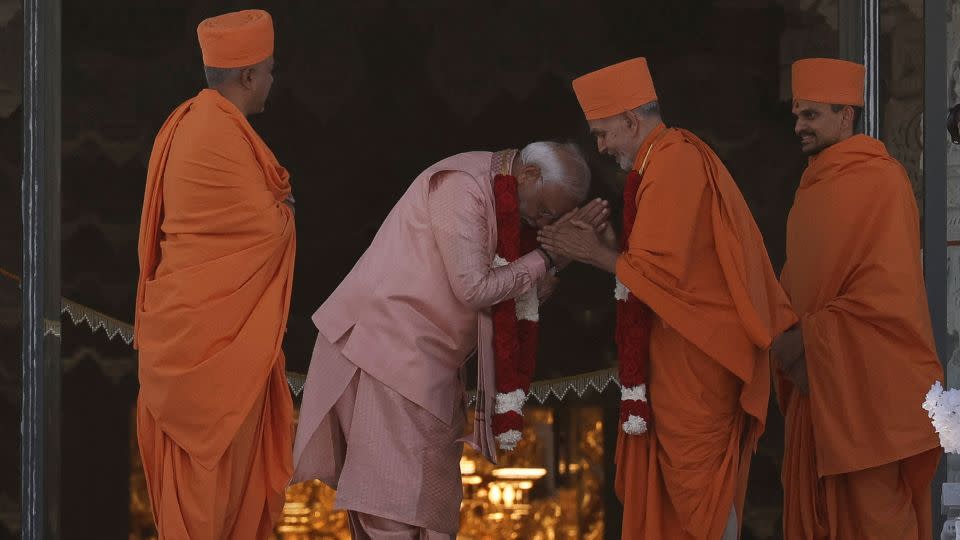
x=952, y=20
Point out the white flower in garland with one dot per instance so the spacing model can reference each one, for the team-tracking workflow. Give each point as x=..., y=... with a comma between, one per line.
x=621, y=292
x=528, y=306
x=633, y=399
x=634, y=425
x=509, y=402
x=943, y=407
x=634, y=392
x=528, y=303
x=508, y=440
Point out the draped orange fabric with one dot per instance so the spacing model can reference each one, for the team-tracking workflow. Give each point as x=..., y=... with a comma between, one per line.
x=216, y=250
x=854, y=276
x=696, y=257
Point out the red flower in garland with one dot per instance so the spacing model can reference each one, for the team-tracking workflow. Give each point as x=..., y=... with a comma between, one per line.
x=506, y=198
x=633, y=332
x=514, y=337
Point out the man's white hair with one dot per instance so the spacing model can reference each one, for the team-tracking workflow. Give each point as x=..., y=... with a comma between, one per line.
x=649, y=109
x=559, y=163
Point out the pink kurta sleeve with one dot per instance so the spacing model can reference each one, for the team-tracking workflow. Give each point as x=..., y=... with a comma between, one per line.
x=459, y=219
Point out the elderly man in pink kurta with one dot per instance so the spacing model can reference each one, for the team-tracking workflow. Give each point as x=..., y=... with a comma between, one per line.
x=383, y=408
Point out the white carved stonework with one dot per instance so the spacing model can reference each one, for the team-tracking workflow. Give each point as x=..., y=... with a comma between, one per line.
x=953, y=151
x=953, y=51
x=953, y=221
x=953, y=331
x=953, y=181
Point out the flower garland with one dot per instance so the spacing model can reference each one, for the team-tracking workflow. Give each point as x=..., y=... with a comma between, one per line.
x=633, y=331
x=634, y=320
x=943, y=407
x=515, y=321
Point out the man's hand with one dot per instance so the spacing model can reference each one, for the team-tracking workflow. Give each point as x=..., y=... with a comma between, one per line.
x=559, y=261
x=798, y=376
x=595, y=213
x=608, y=236
x=788, y=355
x=578, y=241
x=547, y=286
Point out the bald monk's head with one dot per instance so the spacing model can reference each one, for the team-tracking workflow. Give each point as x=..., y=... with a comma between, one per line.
x=827, y=101
x=238, y=57
x=620, y=105
x=552, y=179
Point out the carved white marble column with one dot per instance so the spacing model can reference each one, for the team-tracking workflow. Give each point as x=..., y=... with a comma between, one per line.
x=953, y=222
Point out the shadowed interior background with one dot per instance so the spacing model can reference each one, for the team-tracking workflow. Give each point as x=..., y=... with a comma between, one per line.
x=367, y=94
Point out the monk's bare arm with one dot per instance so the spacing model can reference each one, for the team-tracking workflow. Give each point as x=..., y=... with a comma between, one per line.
x=458, y=218
x=788, y=356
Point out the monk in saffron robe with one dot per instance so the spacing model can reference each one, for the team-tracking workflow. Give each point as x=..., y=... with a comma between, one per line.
x=697, y=259
x=860, y=452
x=217, y=242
